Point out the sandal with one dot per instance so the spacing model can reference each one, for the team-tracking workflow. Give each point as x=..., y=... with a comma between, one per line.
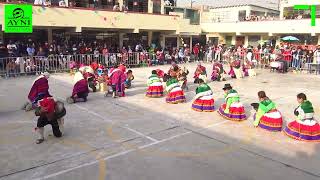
x=39, y=141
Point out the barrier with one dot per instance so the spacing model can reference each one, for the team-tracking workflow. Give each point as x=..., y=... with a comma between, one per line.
x=14, y=66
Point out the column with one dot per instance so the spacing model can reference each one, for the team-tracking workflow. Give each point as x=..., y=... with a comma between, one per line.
x=278, y=40
x=150, y=37
x=190, y=43
x=150, y=6
x=248, y=12
x=49, y=35
x=162, y=41
x=318, y=39
x=120, y=4
x=178, y=41
x=1, y=36
x=121, y=40
x=162, y=7
x=246, y=41
x=233, y=41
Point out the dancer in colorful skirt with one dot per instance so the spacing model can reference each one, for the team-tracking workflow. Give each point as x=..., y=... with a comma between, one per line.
x=204, y=101
x=267, y=116
x=50, y=112
x=38, y=91
x=305, y=127
x=80, y=89
x=233, y=109
x=175, y=93
x=155, y=88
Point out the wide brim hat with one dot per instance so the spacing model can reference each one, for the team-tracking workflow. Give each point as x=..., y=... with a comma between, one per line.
x=227, y=86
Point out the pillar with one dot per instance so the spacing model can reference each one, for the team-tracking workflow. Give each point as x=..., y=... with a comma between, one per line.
x=150, y=6
x=162, y=41
x=1, y=36
x=190, y=42
x=120, y=4
x=278, y=40
x=121, y=40
x=246, y=41
x=318, y=40
x=150, y=37
x=162, y=7
x=178, y=41
x=248, y=12
x=49, y=35
x=233, y=40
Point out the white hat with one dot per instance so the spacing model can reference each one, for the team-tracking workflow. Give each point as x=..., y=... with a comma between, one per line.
x=46, y=74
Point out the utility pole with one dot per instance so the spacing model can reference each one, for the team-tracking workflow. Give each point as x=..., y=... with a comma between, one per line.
x=191, y=2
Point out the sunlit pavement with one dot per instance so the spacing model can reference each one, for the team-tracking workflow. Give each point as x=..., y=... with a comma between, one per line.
x=137, y=138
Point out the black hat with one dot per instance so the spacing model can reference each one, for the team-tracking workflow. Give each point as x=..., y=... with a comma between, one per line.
x=227, y=86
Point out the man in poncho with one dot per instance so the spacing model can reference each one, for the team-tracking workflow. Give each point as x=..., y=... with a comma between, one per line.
x=50, y=112
x=80, y=89
x=38, y=91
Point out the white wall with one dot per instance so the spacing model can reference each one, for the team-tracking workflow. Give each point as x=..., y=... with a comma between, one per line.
x=289, y=3
x=269, y=27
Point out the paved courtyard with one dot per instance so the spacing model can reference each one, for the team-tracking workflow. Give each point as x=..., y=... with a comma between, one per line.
x=137, y=138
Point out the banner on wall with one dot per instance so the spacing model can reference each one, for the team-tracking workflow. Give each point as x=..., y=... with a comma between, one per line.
x=18, y=18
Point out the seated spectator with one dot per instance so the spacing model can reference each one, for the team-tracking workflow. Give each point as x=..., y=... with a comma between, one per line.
x=116, y=7
x=11, y=68
x=62, y=3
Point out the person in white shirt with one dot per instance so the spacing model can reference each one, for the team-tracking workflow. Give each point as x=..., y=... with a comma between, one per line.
x=62, y=3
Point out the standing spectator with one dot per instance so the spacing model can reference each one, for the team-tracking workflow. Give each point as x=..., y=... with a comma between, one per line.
x=309, y=56
x=11, y=68
x=30, y=50
x=3, y=54
x=218, y=53
x=116, y=7
x=95, y=4
x=297, y=57
x=317, y=55
x=196, y=50
x=12, y=48
x=62, y=3
x=209, y=54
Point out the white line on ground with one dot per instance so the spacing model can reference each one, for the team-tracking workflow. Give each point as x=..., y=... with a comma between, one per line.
x=110, y=121
x=126, y=152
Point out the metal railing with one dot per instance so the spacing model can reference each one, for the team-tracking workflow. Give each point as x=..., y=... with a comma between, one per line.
x=14, y=66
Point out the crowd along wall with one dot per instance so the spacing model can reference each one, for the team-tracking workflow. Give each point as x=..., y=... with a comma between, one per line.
x=89, y=18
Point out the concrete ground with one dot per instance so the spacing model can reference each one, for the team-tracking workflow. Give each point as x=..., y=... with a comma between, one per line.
x=137, y=138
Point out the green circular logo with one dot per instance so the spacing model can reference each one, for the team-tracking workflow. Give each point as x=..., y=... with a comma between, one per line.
x=18, y=13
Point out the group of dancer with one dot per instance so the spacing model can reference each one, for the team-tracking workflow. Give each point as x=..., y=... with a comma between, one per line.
x=52, y=111
x=174, y=82
x=267, y=116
